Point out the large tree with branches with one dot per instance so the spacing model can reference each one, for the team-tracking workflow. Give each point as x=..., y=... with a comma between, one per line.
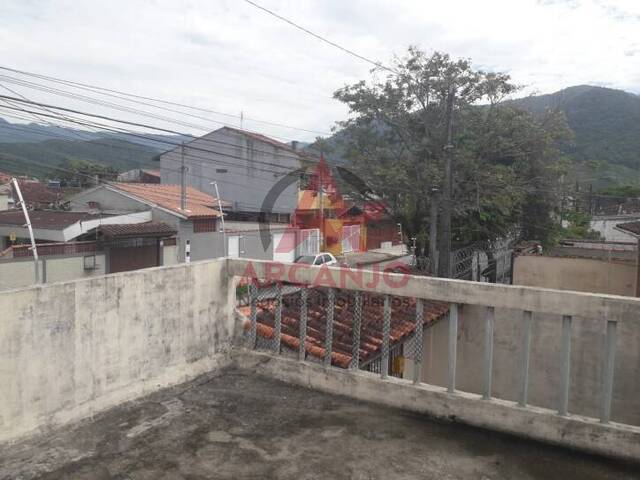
x=505, y=160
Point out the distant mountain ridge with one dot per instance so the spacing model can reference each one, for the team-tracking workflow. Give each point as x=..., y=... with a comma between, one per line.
x=606, y=122
x=36, y=150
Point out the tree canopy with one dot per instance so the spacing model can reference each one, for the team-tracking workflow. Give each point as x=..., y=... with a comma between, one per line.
x=506, y=160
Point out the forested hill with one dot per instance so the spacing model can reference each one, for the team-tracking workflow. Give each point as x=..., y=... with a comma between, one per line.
x=40, y=159
x=606, y=122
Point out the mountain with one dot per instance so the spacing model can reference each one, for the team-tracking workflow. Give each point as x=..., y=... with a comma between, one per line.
x=606, y=122
x=33, y=149
x=33, y=132
x=39, y=159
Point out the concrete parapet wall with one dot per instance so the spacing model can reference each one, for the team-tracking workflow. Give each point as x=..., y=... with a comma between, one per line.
x=69, y=350
x=575, y=432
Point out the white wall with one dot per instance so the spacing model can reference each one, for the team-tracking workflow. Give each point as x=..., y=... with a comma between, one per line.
x=17, y=273
x=69, y=350
x=605, y=225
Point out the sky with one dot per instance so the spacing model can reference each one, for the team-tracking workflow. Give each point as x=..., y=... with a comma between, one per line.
x=228, y=56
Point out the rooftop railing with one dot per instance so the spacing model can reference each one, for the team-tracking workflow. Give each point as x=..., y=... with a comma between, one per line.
x=568, y=307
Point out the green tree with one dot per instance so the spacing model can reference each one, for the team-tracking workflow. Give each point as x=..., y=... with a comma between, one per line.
x=504, y=158
x=83, y=173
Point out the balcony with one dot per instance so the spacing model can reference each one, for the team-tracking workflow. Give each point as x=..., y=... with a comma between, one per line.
x=155, y=372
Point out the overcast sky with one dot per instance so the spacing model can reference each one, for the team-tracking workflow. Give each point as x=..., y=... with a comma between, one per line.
x=229, y=56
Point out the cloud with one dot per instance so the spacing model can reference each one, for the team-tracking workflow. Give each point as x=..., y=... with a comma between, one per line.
x=229, y=56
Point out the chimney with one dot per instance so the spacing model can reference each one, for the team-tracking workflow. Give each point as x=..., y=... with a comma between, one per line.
x=294, y=145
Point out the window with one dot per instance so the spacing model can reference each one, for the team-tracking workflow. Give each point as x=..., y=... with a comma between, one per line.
x=221, y=170
x=204, y=225
x=318, y=260
x=89, y=262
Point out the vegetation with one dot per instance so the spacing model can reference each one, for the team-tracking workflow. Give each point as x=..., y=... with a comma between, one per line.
x=47, y=159
x=506, y=159
x=578, y=226
x=621, y=191
x=606, y=122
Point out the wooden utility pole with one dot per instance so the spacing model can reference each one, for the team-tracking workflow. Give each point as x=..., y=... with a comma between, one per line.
x=444, y=261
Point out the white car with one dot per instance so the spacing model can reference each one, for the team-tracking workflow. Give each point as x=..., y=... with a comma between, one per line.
x=318, y=259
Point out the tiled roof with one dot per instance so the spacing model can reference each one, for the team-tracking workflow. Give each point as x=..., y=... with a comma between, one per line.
x=38, y=193
x=147, y=229
x=199, y=204
x=631, y=227
x=45, y=219
x=402, y=323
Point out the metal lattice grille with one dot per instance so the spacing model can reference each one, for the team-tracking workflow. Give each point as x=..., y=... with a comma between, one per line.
x=303, y=323
x=328, y=345
x=386, y=331
x=357, y=325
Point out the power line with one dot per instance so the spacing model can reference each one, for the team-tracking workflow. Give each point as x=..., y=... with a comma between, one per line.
x=113, y=92
x=320, y=37
x=293, y=155
x=175, y=144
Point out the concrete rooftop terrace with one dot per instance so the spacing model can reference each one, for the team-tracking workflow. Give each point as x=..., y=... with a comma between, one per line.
x=237, y=425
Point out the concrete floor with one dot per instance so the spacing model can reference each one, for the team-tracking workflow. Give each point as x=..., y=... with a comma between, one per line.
x=238, y=426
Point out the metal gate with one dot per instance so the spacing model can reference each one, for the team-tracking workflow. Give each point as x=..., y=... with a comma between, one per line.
x=310, y=241
x=350, y=238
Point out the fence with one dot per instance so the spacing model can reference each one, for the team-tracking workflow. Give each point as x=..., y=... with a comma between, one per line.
x=568, y=307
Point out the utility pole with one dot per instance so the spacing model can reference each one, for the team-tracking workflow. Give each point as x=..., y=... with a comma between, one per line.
x=224, y=232
x=183, y=180
x=34, y=248
x=321, y=200
x=444, y=262
x=433, y=234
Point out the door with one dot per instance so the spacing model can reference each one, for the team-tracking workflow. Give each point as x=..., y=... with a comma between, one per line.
x=124, y=258
x=233, y=246
x=284, y=247
x=350, y=238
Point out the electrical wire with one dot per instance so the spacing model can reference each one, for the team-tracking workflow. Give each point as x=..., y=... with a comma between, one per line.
x=122, y=95
x=320, y=37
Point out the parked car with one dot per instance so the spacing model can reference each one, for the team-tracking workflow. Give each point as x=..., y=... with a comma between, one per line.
x=317, y=259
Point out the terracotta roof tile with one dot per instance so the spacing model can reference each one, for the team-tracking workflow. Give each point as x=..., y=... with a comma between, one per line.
x=147, y=229
x=199, y=204
x=402, y=323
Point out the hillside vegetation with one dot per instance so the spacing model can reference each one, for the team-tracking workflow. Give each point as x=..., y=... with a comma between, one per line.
x=40, y=159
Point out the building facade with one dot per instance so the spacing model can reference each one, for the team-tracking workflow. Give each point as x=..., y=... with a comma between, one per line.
x=247, y=167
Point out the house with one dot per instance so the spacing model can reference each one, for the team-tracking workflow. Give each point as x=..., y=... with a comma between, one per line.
x=342, y=226
x=368, y=227
x=246, y=166
x=73, y=245
x=140, y=175
x=605, y=225
x=197, y=225
x=58, y=225
x=38, y=195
